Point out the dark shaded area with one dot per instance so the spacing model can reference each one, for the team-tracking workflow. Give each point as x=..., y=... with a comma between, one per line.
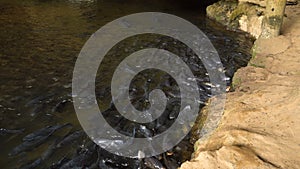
x=195, y=4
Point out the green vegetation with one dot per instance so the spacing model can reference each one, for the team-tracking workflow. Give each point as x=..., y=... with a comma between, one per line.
x=229, y=12
x=242, y=9
x=236, y=81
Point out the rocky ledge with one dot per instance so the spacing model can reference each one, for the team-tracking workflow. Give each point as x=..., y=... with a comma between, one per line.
x=246, y=15
x=260, y=127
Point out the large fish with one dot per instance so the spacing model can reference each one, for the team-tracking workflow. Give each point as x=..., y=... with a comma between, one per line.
x=70, y=138
x=41, y=133
x=59, y=163
x=4, y=131
x=33, y=164
x=45, y=156
x=35, y=139
x=79, y=161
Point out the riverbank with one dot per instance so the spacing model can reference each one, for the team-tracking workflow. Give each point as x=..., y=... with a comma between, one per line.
x=260, y=127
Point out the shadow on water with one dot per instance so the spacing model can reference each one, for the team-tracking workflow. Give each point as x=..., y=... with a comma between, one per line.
x=40, y=41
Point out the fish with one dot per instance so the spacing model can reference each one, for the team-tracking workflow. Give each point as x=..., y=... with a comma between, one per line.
x=78, y=161
x=37, y=109
x=83, y=157
x=170, y=163
x=173, y=115
x=161, y=129
x=59, y=163
x=144, y=131
x=33, y=164
x=99, y=163
x=37, y=162
x=153, y=163
x=50, y=151
x=59, y=106
x=70, y=137
x=4, y=131
x=41, y=133
x=35, y=139
x=96, y=165
x=102, y=165
x=38, y=99
x=173, y=94
x=25, y=146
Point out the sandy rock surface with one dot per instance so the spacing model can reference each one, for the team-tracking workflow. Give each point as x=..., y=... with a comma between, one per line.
x=260, y=127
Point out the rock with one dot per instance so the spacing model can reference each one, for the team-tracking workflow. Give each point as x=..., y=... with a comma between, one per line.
x=253, y=24
x=291, y=2
x=260, y=125
x=261, y=3
x=221, y=12
x=243, y=15
x=272, y=46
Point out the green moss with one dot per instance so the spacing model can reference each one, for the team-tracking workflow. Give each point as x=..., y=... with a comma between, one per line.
x=241, y=9
x=220, y=10
x=274, y=21
x=229, y=12
x=199, y=123
x=236, y=81
x=254, y=51
x=257, y=65
x=257, y=62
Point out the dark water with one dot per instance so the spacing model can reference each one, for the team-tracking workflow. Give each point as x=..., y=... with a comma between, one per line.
x=40, y=41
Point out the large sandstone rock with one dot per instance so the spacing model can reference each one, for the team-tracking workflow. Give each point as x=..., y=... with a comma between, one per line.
x=251, y=24
x=260, y=127
x=238, y=15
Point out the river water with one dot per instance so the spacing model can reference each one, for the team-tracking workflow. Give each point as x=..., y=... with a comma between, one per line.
x=40, y=41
